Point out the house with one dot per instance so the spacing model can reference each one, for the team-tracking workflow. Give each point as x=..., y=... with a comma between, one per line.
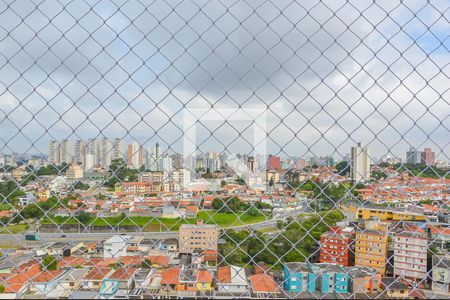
x=191, y=279
x=27, y=199
x=159, y=261
x=94, y=278
x=322, y=277
x=263, y=285
x=363, y=280
x=394, y=288
x=231, y=279
x=441, y=274
x=191, y=211
x=72, y=279
x=124, y=276
x=46, y=282
x=170, y=278
x=116, y=246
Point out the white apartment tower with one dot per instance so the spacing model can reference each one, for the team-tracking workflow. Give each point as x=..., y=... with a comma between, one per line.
x=65, y=154
x=118, y=150
x=79, y=155
x=106, y=147
x=54, y=153
x=360, y=163
x=92, y=154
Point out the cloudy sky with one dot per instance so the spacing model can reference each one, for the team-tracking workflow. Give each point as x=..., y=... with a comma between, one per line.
x=327, y=74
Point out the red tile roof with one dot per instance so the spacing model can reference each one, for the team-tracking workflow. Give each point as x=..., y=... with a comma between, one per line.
x=224, y=274
x=170, y=276
x=123, y=273
x=263, y=283
x=204, y=277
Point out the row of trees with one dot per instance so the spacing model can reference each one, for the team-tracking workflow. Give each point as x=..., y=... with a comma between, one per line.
x=297, y=242
x=233, y=204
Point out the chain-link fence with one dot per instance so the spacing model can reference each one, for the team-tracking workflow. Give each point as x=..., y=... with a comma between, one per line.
x=224, y=149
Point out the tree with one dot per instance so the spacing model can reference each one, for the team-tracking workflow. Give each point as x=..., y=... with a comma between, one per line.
x=49, y=263
x=271, y=181
x=83, y=217
x=343, y=168
x=2, y=289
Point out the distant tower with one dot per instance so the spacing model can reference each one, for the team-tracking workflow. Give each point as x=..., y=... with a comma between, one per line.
x=360, y=163
x=54, y=153
x=65, y=153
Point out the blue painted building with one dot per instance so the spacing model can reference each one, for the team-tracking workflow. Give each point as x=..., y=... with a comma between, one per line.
x=307, y=277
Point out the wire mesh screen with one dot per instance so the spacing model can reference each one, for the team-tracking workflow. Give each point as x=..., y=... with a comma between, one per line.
x=224, y=149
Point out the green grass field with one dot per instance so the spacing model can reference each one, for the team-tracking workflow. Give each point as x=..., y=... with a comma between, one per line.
x=14, y=229
x=223, y=220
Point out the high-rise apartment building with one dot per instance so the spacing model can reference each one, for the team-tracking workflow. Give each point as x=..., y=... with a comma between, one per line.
x=79, y=154
x=212, y=162
x=92, y=158
x=165, y=164
x=410, y=256
x=428, y=157
x=54, y=156
x=199, y=237
x=152, y=161
x=65, y=154
x=135, y=155
x=118, y=149
x=371, y=248
x=106, y=149
x=413, y=156
x=360, y=163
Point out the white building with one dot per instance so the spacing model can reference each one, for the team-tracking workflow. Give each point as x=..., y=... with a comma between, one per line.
x=212, y=162
x=106, y=147
x=116, y=246
x=118, y=149
x=65, y=153
x=152, y=161
x=441, y=274
x=232, y=279
x=410, y=256
x=360, y=163
x=92, y=153
x=79, y=154
x=165, y=164
x=54, y=153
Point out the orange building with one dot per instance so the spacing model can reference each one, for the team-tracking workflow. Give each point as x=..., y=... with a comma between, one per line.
x=371, y=249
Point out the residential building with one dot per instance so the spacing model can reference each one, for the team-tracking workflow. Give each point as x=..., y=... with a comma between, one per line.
x=75, y=171
x=199, y=237
x=274, y=163
x=116, y=246
x=106, y=149
x=363, y=280
x=360, y=163
x=135, y=155
x=441, y=274
x=231, y=279
x=118, y=149
x=264, y=285
x=307, y=277
x=79, y=155
x=54, y=153
x=410, y=256
x=152, y=161
x=165, y=164
x=212, y=162
x=389, y=214
x=92, y=158
x=428, y=157
x=413, y=156
x=65, y=153
x=336, y=246
x=94, y=278
x=371, y=248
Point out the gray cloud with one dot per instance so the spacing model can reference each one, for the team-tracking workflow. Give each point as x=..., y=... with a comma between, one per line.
x=330, y=73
